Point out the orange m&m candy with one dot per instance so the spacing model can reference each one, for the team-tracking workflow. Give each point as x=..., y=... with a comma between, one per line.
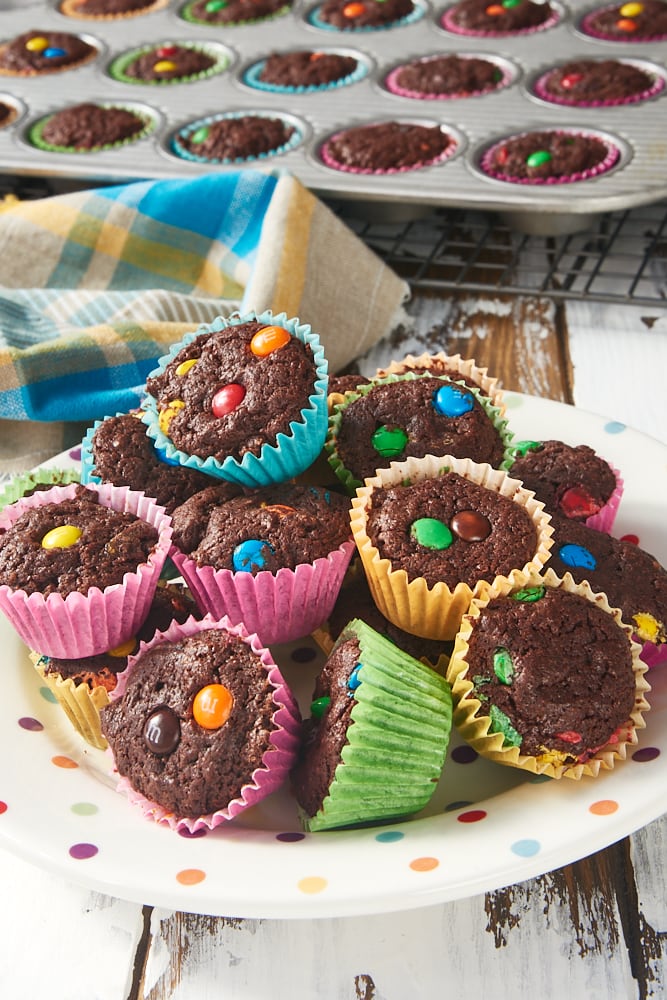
x=353, y=9
x=212, y=706
x=269, y=339
x=626, y=24
x=495, y=10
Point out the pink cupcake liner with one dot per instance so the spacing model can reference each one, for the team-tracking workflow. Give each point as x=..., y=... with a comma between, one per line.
x=330, y=161
x=539, y=88
x=612, y=156
x=604, y=519
x=277, y=607
x=277, y=760
x=80, y=624
x=653, y=654
x=449, y=24
x=392, y=85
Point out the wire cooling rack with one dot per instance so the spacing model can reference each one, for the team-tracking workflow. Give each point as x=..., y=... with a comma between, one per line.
x=621, y=258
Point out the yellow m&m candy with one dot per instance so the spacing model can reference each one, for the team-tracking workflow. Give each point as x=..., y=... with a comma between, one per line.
x=185, y=366
x=37, y=44
x=61, y=537
x=168, y=414
x=631, y=9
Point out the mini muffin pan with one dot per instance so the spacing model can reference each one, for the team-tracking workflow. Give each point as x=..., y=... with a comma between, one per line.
x=639, y=129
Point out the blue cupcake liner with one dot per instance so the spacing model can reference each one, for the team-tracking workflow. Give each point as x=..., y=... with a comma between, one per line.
x=178, y=150
x=293, y=452
x=415, y=15
x=251, y=78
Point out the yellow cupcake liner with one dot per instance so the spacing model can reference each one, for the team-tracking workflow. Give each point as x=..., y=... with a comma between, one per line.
x=81, y=704
x=70, y=8
x=466, y=367
x=474, y=726
x=435, y=612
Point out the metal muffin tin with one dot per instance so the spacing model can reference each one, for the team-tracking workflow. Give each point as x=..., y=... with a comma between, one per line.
x=639, y=177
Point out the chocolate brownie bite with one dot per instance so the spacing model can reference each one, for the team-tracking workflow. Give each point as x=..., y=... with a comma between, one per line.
x=446, y=76
x=34, y=53
x=228, y=12
x=627, y=22
x=570, y=480
x=88, y=127
x=598, y=83
x=387, y=147
x=8, y=114
x=545, y=677
x=451, y=366
x=110, y=9
x=375, y=743
x=201, y=726
x=117, y=450
x=304, y=70
x=235, y=138
x=550, y=156
x=365, y=14
x=169, y=62
x=412, y=416
x=243, y=399
x=511, y=17
x=632, y=579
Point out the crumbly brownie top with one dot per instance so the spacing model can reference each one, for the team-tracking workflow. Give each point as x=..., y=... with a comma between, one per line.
x=346, y=383
x=86, y=126
x=632, y=579
x=325, y=737
x=647, y=20
x=547, y=154
x=111, y=6
x=450, y=74
x=237, y=138
x=571, y=480
x=414, y=418
x=36, y=52
x=387, y=146
x=450, y=529
x=172, y=602
x=306, y=68
x=355, y=601
x=554, y=673
x=123, y=454
x=189, y=519
x=271, y=389
x=110, y=544
x=283, y=525
x=474, y=15
x=156, y=741
x=236, y=10
x=596, y=80
x=169, y=62
x=367, y=14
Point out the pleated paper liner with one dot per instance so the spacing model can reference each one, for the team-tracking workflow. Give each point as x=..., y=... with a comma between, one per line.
x=81, y=703
x=474, y=725
x=440, y=364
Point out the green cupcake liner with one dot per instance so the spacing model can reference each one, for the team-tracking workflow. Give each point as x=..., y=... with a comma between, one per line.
x=187, y=15
x=35, y=134
x=20, y=485
x=397, y=739
x=347, y=478
x=118, y=67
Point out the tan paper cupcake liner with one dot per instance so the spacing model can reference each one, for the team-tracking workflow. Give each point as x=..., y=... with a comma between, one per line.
x=466, y=367
x=473, y=725
x=70, y=8
x=81, y=704
x=435, y=612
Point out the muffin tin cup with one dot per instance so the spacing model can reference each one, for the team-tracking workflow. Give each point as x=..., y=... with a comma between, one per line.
x=474, y=725
x=448, y=23
x=277, y=760
x=611, y=159
x=251, y=76
x=187, y=15
x=587, y=27
x=509, y=74
x=278, y=607
x=221, y=55
x=34, y=132
x=418, y=12
x=70, y=9
x=96, y=46
x=84, y=624
x=292, y=453
x=657, y=74
x=176, y=147
x=452, y=149
x=411, y=604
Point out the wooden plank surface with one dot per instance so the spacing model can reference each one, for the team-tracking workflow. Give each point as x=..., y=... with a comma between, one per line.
x=595, y=929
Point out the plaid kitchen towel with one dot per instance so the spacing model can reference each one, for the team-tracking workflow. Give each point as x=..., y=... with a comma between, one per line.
x=96, y=284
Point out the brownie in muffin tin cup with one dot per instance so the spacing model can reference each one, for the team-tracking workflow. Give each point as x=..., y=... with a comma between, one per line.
x=551, y=156
x=365, y=15
x=507, y=18
x=307, y=71
x=450, y=76
x=92, y=126
x=389, y=146
x=40, y=52
x=168, y=62
x=110, y=10
x=599, y=82
x=237, y=137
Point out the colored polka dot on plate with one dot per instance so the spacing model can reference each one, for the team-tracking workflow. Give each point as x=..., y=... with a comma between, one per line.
x=48, y=695
x=464, y=755
x=312, y=884
x=32, y=725
x=84, y=809
x=473, y=816
x=192, y=834
x=424, y=864
x=75, y=453
x=645, y=754
x=614, y=427
x=389, y=836
x=81, y=852
x=303, y=654
x=3, y=808
x=190, y=876
x=603, y=807
x=525, y=848
x=290, y=837
x=65, y=762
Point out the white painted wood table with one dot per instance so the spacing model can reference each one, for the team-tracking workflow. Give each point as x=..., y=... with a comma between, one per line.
x=596, y=928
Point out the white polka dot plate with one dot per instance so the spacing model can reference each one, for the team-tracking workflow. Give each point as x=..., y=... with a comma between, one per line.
x=486, y=826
